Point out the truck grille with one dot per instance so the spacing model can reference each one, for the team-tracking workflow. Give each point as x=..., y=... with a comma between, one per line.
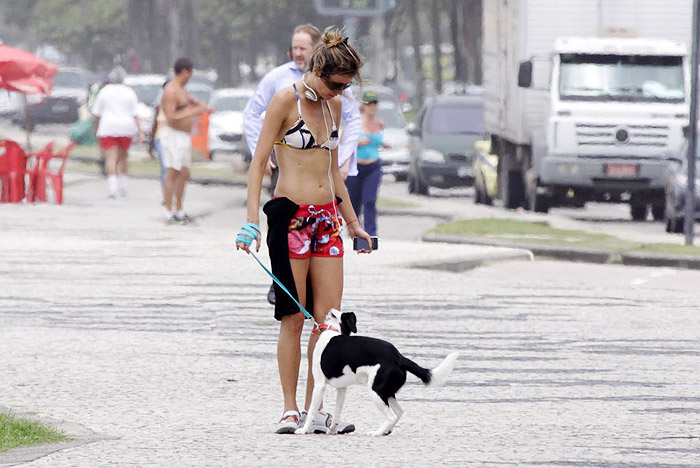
x=622, y=135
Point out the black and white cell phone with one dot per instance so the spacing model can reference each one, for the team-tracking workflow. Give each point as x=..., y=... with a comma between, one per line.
x=359, y=243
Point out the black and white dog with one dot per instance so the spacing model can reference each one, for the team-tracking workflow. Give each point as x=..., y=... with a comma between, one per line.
x=341, y=360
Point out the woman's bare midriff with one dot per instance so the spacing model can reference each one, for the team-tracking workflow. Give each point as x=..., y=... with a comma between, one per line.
x=303, y=175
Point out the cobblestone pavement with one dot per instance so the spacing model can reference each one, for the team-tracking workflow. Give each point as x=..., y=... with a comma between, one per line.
x=158, y=339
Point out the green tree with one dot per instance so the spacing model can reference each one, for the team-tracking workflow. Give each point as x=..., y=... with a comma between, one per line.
x=91, y=29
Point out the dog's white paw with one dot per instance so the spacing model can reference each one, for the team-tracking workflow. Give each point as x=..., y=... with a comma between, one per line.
x=379, y=433
x=302, y=431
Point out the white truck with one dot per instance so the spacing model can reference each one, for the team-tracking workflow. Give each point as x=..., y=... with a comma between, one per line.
x=585, y=100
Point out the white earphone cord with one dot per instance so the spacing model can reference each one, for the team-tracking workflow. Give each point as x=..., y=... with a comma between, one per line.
x=330, y=163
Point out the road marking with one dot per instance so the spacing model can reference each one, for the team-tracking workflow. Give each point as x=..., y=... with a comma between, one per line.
x=655, y=274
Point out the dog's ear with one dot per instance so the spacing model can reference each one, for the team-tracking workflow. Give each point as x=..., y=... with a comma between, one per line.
x=334, y=314
x=348, y=323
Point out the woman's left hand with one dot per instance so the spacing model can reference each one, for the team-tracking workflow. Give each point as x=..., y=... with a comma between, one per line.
x=355, y=230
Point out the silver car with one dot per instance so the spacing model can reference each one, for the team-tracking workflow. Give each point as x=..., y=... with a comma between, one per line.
x=226, y=121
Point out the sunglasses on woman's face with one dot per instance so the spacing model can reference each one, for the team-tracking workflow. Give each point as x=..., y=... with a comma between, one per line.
x=336, y=86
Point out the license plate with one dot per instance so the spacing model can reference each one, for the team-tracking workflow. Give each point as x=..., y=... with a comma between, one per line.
x=621, y=170
x=59, y=108
x=462, y=171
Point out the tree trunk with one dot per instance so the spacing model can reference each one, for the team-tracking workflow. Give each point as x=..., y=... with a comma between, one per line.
x=223, y=55
x=189, y=31
x=437, y=52
x=456, y=16
x=472, y=33
x=419, y=78
x=160, y=53
x=235, y=66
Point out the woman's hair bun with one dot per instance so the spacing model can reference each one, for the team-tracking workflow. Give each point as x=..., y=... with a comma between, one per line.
x=332, y=37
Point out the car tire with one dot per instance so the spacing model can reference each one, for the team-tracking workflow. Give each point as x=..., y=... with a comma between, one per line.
x=638, y=211
x=480, y=195
x=416, y=186
x=400, y=177
x=536, y=202
x=477, y=192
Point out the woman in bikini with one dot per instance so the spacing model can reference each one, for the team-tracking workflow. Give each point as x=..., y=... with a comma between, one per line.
x=304, y=240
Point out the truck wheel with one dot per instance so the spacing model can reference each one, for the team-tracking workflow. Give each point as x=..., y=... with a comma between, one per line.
x=679, y=225
x=514, y=190
x=675, y=225
x=538, y=203
x=657, y=212
x=638, y=211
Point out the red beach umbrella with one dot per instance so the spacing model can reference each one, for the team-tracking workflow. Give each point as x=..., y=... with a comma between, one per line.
x=24, y=72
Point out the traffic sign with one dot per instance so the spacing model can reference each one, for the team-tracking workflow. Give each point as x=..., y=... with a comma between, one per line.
x=353, y=7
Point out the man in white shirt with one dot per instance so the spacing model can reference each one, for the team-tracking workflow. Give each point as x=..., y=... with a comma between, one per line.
x=116, y=124
x=304, y=40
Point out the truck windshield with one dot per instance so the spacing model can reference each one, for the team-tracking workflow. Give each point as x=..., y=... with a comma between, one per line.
x=456, y=119
x=639, y=78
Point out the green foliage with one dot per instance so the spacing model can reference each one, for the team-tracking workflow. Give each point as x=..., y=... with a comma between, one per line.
x=514, y=231
x=92, y=29
x=18, y=12
x=19, y=432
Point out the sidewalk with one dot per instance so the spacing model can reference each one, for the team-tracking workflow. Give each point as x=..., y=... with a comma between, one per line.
x=157, y=342
x=154, y=343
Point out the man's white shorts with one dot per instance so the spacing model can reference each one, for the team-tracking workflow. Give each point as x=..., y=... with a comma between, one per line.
x=177, y=148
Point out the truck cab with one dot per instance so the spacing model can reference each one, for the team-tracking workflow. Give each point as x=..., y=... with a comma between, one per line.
x=617, y=108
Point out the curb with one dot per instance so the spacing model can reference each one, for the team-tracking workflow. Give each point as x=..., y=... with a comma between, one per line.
x=655, y=260
x=192, y=180
x=571, y=254
x=416, y=213
x=462, y=265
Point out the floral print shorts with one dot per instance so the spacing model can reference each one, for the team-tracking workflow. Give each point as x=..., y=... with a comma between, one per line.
x=315, y=231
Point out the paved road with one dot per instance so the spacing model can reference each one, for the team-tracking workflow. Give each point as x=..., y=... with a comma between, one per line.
x=157, y=340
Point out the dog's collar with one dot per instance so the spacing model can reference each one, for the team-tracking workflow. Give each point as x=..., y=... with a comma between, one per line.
x=324, y=326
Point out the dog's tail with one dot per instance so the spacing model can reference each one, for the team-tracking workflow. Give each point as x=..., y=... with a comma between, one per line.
x=434, y=377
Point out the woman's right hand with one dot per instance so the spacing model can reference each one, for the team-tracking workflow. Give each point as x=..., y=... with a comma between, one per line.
x=249, y=232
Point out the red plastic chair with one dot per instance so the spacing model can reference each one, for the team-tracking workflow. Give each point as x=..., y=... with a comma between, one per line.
x=13, y=165
x=33, y=169
x=43, y=172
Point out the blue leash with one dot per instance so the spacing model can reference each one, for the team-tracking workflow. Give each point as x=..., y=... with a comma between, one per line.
x=247, y=235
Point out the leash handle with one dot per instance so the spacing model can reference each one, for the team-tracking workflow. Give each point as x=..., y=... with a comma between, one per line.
x=248, y=233
x=279, y=283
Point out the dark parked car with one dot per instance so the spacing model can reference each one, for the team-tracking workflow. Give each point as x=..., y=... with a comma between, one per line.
x=676, y=186
x=69, y=91
x=442, y=146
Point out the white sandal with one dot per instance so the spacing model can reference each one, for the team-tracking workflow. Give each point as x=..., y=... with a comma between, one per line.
x=288, y=427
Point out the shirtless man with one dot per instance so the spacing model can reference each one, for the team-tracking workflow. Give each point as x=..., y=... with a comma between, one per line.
x=179, y=107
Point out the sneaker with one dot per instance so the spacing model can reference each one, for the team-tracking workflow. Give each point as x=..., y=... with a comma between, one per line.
x=271, y=296
x=323, y=421
x=170, y=219
x=184, y=219
x=288, y=427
